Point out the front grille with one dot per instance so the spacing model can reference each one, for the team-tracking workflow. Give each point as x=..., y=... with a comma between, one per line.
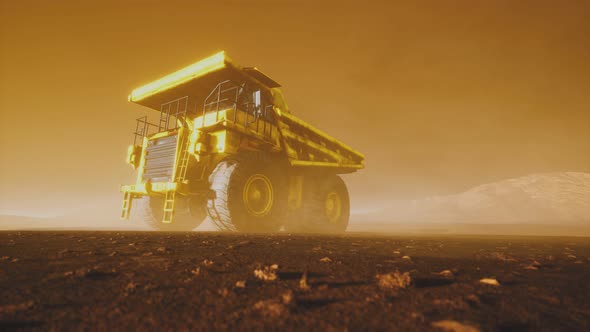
x=159, y=159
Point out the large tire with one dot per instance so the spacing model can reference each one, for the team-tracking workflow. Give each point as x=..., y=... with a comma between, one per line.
x=249, y=195
x=188, y=215
x=325, y=206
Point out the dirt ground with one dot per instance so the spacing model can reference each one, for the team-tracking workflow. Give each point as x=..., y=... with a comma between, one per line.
x=202, y=281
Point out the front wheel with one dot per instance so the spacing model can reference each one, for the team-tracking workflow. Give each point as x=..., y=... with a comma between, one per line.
x=190, y=213
x=249, y=196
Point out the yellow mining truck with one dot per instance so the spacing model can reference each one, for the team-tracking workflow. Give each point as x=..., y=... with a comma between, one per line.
x=226, y=146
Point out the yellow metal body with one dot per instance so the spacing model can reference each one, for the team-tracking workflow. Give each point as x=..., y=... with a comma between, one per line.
x=196, y=70
x=205, y=139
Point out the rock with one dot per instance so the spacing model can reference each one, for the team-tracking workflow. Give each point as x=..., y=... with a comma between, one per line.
x=550, y=299
x=303, y=282
x=287, y=297
x=267, y=273
x=454, y=326
x=490, y=281
x=451, y=304
x=196, y=271
x=223, y=292
x=130, y=288
x=12, y=308
x=149, y=287
x=417, y=316
x=533, y=266
x=503, y=257
x=325, y=260
x=446, y=273
x=393, y=280
x=237, y=245
x=271, y=308
x=241, y=284
x=473, y=300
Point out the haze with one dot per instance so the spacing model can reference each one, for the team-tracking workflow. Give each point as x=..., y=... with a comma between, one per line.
x=440, y=96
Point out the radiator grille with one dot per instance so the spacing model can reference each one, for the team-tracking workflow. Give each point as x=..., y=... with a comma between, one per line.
x=159, y=159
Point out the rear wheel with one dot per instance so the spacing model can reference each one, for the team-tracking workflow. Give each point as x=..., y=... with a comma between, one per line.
x=188, y=215
x=325, y=207
x=250, y=196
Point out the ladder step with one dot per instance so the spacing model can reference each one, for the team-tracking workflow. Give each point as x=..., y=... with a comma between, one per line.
x=169, y=207
x=126, y=207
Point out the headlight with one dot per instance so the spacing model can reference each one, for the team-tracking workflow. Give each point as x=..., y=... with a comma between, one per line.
x=133, y=155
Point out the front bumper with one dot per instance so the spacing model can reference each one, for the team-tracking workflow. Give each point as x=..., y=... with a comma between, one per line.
x=146, y=189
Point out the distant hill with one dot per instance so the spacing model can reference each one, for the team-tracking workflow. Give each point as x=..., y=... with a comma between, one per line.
x=548, y=198
x=540, y=204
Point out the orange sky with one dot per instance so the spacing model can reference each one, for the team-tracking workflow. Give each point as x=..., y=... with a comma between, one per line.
x=439, y=95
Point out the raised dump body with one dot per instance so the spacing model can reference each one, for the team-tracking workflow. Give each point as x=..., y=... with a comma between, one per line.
x=226, y=145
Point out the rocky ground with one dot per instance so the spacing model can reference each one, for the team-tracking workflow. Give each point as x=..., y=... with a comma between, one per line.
x=174, y=281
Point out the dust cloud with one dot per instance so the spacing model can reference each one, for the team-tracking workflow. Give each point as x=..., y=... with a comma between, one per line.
x=440, y=98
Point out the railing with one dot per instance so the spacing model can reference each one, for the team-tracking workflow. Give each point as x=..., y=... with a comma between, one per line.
x=143, y=128
x=226, y=95
x=170, y=114
x=223, y=96
x=173, y=110
x=231, y=95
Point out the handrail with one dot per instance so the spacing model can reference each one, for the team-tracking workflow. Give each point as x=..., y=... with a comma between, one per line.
x=176, y=108
x=222, y=97
x=142, y=129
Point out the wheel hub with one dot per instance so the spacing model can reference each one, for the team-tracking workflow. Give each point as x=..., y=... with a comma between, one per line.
x=258, y=195
x=333, y=207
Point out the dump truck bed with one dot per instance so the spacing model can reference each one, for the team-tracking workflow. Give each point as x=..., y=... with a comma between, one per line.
x=307, y=146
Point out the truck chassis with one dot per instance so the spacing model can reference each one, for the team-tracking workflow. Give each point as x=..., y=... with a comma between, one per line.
x=226, y=146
